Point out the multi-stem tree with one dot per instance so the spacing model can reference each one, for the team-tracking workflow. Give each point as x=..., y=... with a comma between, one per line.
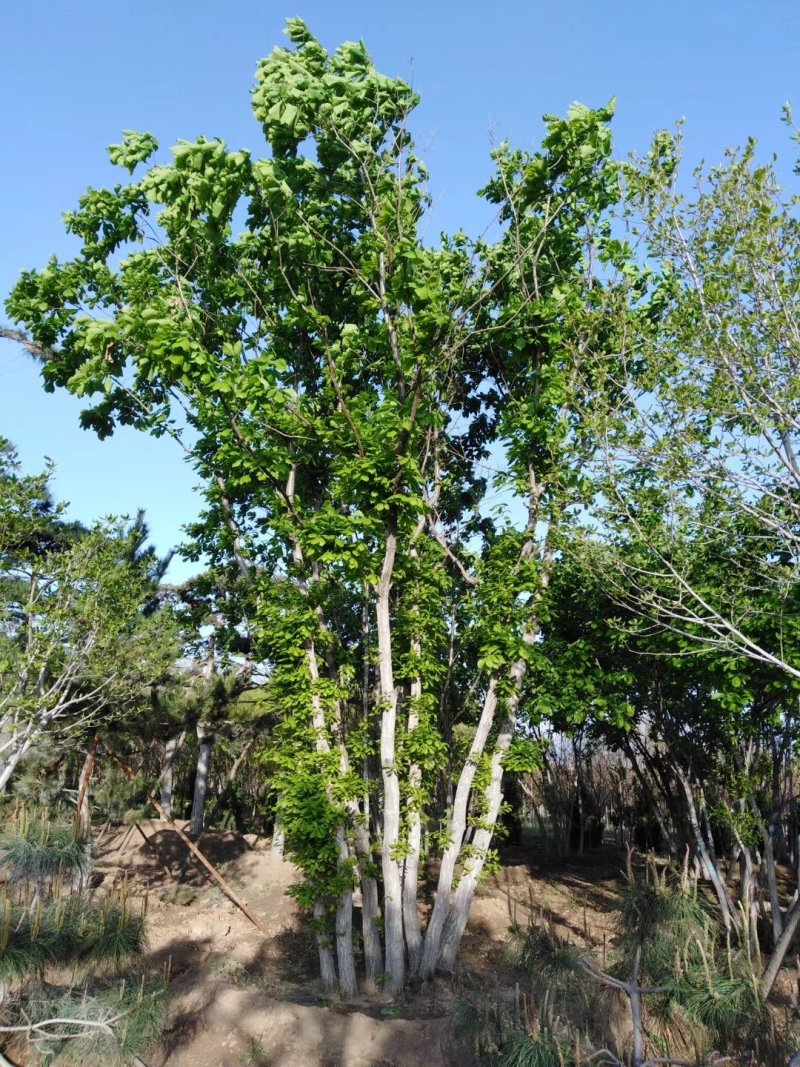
x=345, y=390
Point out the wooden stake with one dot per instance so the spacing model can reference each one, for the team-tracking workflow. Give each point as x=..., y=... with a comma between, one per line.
x=154, y=849
x=212, y=870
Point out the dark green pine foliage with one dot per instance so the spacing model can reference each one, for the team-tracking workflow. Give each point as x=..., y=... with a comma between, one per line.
x=63, y=950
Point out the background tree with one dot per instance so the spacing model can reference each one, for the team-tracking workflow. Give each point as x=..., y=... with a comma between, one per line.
x=710, y=447
x=79, y=640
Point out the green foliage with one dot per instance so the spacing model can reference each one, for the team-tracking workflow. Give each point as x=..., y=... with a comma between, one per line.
x=502, y=1033
x=67, y=931
x=658, y=918
x=49, y=930
x=690, y=976
x=135, y=1016
x=39, y=852
x=339, y=385
x=539, y=951
x=121, y=799
x=81, y=630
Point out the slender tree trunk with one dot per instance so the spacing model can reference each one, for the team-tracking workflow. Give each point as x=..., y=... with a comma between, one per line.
x=462, y=898
x=775, y=962
x=83, y=815
x=581, y=817
x=10, y=764
x=344, y=925
x=710, y=870
x=635, y=995
x=278, y=837
x=458, y=825
x=171, y=750
x=327, y=965
x=392, y=879
x=666, y=832
x=746, y=893
x=413, y=844
x=458, y=913
x=772, y=882
x=205, y=741
x=344, y=905
x=83, y=811
x=370, y=905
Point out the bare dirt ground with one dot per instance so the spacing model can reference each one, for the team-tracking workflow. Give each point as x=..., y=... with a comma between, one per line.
x=238, y=997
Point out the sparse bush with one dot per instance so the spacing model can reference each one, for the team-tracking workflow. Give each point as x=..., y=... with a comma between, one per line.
x=686, y=987
x=61, y=950
x=40, y=853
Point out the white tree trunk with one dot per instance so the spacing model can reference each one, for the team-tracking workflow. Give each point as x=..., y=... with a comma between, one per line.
x=772, y=882
x=205, y=740
x=392, y=879
x=327, y=966
x=458, y=825
x=411, y=868
x=790, y=925
x=344, y=907
x=344, y=925
x=168, y=773
x=10, y=764
x=709, y=868
x=441, y=950
x=278, y=837
x=370, y=905
x=465, y=892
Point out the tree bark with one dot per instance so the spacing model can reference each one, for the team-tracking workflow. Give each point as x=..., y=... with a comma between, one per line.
x=775, y=962
x=205, y=741
x=772, y=883
x=171, y=750
x=458, y=825
x=83, y=811
x=327, y=966
x=344, y=905
x=278, y=837
x=413, y=844
x=10, y=764
x=711, y=872
x=344, y=925
x=458, y=913
x=462, y=898
x=370, y=904
x=392, y=880
x=635, y=995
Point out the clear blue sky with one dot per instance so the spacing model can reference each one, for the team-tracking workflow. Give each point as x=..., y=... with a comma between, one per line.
x=74, y=74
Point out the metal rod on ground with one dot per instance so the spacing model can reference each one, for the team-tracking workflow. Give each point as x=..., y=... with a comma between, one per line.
x=226, y=889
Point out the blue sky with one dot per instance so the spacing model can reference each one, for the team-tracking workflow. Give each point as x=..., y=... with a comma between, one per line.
x=75, y=74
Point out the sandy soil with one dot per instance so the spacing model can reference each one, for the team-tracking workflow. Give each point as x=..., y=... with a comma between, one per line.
x=238, y=997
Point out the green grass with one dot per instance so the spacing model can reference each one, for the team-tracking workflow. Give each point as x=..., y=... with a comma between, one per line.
x=255, y=1053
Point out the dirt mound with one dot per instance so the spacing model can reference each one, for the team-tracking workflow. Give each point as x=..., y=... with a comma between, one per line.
x=237, y=996
x=154, y=851
x=233, y=1026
